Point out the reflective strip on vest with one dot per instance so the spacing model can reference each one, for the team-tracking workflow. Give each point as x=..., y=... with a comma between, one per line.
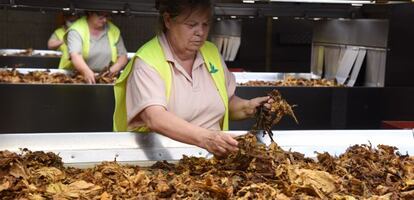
x=81, y=26
x=151, y=53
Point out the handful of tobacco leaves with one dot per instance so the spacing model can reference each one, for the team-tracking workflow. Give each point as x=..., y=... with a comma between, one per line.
x=267, y=117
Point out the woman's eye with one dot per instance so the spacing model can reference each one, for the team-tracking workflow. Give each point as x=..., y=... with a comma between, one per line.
x=192, y=25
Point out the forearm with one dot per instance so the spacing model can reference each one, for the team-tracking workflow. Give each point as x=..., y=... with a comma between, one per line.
x=166, y=123
x=119, y=64
x=54, y=44
x=79, y=63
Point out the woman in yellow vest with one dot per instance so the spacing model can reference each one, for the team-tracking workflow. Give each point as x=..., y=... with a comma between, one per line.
x=95, y=44
x=179, y=86
x=55, y=41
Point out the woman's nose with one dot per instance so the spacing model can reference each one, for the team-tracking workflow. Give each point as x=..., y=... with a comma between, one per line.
x=199, y=31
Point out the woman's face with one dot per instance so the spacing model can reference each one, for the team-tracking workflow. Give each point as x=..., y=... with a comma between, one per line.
x=188, y=30
x=98, y=20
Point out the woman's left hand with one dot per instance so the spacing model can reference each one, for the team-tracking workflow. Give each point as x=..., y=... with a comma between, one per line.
x=241, y=108
x=252, y=104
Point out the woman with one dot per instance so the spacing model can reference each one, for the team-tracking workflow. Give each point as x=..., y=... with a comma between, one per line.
x=95, y=44
x=56, y=42
x=178, y=84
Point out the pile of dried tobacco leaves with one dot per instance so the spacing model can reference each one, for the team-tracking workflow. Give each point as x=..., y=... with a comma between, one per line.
x=294, y=82
x=40, y=77
x=255, y=172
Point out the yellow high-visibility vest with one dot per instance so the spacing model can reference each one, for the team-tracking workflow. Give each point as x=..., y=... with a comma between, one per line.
x=81, y=26
x=60, y=34
x=153, y=54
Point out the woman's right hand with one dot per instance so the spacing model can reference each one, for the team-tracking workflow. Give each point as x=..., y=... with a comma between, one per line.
x=89, y=76
x=219, y=143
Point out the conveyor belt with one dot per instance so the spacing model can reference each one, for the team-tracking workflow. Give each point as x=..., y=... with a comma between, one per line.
x=84, y=148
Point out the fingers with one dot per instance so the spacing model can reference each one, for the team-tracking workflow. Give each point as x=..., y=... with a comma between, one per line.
x=220, y=151
x=89, y=77
x=231, y=143
x=253, y=103
x=106, y=73
x=250, y=110
x=260, y=100
x=226, y=142
x=91, y=80
x=221, y=144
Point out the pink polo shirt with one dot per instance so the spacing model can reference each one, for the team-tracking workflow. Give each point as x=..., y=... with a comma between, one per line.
x=194, y=99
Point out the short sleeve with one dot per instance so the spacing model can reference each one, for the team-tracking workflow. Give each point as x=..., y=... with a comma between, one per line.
x=230, y=80
x=144, y=88
x=120, y=47
x=74, y=41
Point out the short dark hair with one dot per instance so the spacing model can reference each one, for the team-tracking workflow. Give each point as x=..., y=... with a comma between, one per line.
x=177, y=7
x=99, y=13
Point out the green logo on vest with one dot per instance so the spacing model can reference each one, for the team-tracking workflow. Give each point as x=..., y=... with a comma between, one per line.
x=213, y=69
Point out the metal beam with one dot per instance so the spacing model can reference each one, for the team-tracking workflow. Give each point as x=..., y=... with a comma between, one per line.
x=141, y=7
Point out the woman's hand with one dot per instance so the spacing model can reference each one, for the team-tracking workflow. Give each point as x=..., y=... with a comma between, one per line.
x=80, y=65
x=89, y=76
x=219, y=143
x=241, y=108
x=252, y=104
x=216, y=142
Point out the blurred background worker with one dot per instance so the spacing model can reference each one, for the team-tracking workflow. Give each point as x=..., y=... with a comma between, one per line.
x=95, y=44
x=55, y=41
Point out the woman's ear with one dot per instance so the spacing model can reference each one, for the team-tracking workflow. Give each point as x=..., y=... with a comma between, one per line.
x=167, y=20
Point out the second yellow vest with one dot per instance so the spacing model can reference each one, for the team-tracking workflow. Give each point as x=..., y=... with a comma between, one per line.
x=81, y=26
x=60, y=34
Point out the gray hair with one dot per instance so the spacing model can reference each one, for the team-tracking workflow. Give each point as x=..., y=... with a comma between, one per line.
x=176, y=7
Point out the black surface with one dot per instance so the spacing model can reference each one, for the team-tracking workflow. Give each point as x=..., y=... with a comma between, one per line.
x=313, y=109
x=55, y=108
x=291, y=45
x=323, y=108
x=29, y=62
x=400, y=66
x=398, y=104
x=363, y=108
x=85, y=108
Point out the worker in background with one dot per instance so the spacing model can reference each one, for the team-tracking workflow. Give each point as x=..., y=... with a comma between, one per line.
x=55, y=41
x=178, y=84
x=95, y=44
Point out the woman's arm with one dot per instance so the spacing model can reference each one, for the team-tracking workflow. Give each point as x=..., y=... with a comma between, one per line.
x=122, y=57
x=241, y=108
x=119, y=64
x=74, y=42
x=54, y=44
x=161, y=121
x=80, y=65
